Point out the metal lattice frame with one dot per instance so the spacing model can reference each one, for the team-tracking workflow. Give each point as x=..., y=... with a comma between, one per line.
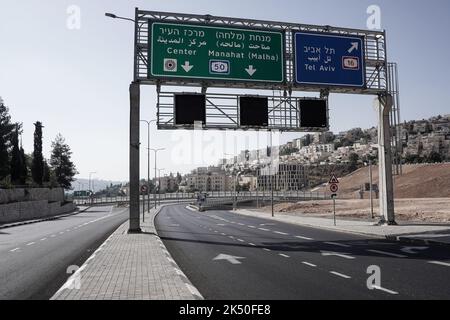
x=222, y=113
x=396, y=133
x=375, y=52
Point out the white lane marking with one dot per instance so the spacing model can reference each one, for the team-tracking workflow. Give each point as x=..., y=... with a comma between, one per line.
x=31, y=243
x=231, y=237
x=284, y=255
x=13, y=250
x=384, y=289
x=224, y=234
x=240, y=240
x=253, y=227
x=241, y=224
x=338, y=244
x=216, y=231
x=221, y=225
x=43, y=239
x=309, y=264
x=282, y=233
x=53, y=235
x=387, y=253
x=62, y=232
x=262, y=229
x=440, y=263
x=266, y=249
x=68, y=230
x=304, y=238
x=337, y=254
x=340, y=275
x=252, y=244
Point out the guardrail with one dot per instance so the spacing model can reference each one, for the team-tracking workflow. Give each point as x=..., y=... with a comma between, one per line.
x=211, y=196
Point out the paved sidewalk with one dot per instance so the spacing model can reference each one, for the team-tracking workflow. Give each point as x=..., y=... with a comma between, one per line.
x=129, y=267
x=405, y=232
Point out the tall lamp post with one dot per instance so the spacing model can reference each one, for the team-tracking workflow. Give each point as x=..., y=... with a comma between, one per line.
x=159, y=185
x=134, y=226
x=156, y=152
x=148, y=163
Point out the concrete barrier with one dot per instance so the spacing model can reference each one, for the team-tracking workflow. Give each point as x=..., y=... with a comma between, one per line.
x=31, y=194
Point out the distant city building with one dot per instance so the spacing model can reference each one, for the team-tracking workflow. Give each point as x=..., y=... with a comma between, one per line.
x=289, y=177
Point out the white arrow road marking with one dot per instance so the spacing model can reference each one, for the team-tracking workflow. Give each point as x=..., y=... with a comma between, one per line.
x=337, y=254
x=440, y=263
x=355, y=46
x=250, y=70
x=187, y=67
x=387, y=253
x=230, y=259
x=413, y=250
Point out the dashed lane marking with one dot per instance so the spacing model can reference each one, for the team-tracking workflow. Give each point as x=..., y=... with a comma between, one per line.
x=14, y=250
x=266, y=249
x=384, y=289
x=338, y=244
x=304, y=238
x=31, y=243
x=440, y=263
x=282, y=233
x=252, y=244
x=43, y=239
x=240, y=240
x=340, y=275
x=284, y=255
x=388, y=253
x=309, y=264
x=263, y=229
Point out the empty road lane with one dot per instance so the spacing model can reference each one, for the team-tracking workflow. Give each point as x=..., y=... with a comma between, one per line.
x=34, y=258
x=230, y=256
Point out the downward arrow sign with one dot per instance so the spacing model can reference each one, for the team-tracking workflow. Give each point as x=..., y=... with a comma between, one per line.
x=250, y=70
x=187, y=67
x=230, y=259
x=413, y=250
x=355, y=46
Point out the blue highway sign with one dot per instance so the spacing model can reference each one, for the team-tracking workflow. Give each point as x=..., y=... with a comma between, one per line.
x=325, y=59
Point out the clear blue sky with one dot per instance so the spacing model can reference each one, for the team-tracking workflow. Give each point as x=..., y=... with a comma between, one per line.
x=76, y=81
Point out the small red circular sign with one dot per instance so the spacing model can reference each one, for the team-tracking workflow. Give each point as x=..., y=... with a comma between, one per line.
x=144, y=188
x=334, y=188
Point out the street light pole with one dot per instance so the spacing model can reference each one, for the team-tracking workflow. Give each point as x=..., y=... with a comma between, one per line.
x=148, y=165
x=156, y=163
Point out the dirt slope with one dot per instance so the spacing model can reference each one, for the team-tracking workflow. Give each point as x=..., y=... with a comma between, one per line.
x=417, y=181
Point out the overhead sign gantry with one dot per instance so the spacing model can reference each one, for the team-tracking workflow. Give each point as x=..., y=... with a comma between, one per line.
x=204, y=51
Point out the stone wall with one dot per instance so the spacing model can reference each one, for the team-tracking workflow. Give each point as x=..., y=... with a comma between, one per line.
x=30, y=210
x=31, y=194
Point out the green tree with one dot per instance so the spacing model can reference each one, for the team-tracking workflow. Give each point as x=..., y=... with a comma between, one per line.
x=62, y=166
x=16, y=163
x=46, y=172
x=37, y=167
x=23, y=167
x=434, y=157
x=6, y=133
x=353, y=159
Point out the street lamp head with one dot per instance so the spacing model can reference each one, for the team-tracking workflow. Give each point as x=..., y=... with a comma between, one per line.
x=110, y=15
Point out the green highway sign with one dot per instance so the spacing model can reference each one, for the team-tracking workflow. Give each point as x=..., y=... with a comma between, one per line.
x=192, y=51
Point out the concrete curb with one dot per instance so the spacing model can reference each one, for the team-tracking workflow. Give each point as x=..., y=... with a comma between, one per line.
x=390, y=237
x=192, y=289
x=16, y=224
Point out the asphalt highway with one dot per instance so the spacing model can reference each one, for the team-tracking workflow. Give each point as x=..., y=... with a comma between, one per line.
x=34, y=258
x=230, y=256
